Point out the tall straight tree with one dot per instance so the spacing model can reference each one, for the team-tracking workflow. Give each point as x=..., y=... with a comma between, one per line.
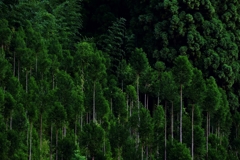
x=182, y=72
x=139, y=62
x=211, y=103
x=98, y=71
x=195, y=93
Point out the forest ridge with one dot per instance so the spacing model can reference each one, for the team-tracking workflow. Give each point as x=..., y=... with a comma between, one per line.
x=119, y=79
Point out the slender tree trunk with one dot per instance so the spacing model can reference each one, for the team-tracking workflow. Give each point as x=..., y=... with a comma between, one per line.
x=87, y=118
x=165, y=134
x=104, y=145
x=147, y=153
x=18, y=70
x=36, y=63
x=207, y=135
x=193, y=132
x=14, y=63
x=181, y=114
x=127, y=106
x=138, y=104
x=158, y=101
x=145, y=100
x=26, y=81
x=27, y=132
x=6, y=123
x=51, y=142
x=53, y=79
x=81, y=120
x=209, y=124
x=30, y=142
x=94, y=101
x=75, y=129
x=57, y=144
x=40, y=132
x=142, y=152
x=131, y=105
x=111, y=103
x=64, y=130
x=10, y=125
x=172, y=121
x=122, y=85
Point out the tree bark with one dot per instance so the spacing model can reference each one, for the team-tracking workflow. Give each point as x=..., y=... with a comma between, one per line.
x=207, y=136
x=165, y=133
x=30, y=142
x=127, y=106
x=57, y=144
x=192, y=132
x=181, y=114
x=145, y=100
x=81, y=121
x=18, y=70
x=94, y=94
x=138, y=104
x=10, y=125
x=36, y=63
x=40, y=133
x=14, y=63
x=172, y=121
x=75, y=129
x=51, y=143
x=26, y=82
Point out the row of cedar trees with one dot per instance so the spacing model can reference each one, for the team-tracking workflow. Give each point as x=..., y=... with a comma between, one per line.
x=67, y=98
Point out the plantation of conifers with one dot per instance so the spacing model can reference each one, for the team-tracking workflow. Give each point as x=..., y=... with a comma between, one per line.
x=119, y=80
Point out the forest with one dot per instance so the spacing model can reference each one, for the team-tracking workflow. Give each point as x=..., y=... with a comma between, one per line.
x=119, y=79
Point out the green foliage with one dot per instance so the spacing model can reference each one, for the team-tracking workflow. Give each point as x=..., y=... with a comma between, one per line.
x=178, y=151
x=182, y=70
x=92, y=138
x=64, y=64
x=212, y=95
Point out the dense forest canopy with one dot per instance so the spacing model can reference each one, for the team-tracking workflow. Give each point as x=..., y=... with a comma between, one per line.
x=119, y=79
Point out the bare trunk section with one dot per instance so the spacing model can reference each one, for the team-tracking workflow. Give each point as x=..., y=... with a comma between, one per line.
x=81, y=121
x=30, y=142
x=165, y=133
x=127, y=106
x=75, y=129
x=181, y=114
x=40, y=133
x=51, y=142
x=18, y=70
x=36, y=63
x=192, y=132
x=57, y=144
x=14, y=63
x=111, y=105
x=11, y=119
x=172, y=121
x=145, y=100
x=53, y=79
x=26, y=81
x=138, y=104
x=207, y=136
x=94, y=94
